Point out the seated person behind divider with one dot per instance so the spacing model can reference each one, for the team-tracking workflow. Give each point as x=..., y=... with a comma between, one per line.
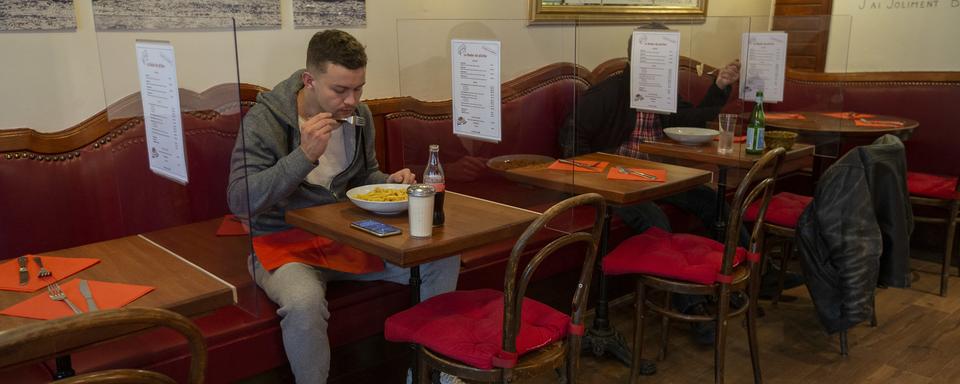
x=604, y=122
x=297, y=151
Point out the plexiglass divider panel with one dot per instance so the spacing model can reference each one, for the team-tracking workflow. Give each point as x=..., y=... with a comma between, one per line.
x=173, y=144
x=456, y=98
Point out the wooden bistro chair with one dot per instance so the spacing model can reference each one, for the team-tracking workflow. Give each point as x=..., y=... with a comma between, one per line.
x=694, y=265
x=490, y=336
x=941, y=192
x=779, y=227
x=43, y=340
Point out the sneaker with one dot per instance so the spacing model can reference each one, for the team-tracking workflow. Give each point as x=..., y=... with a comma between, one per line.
x=446, y=378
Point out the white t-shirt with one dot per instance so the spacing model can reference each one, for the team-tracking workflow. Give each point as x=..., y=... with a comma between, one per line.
x=332, y=162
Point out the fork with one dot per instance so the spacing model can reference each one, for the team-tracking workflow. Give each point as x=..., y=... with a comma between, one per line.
x=354, y=120
x=44, y=273
x=624, y=170
x=57, y=294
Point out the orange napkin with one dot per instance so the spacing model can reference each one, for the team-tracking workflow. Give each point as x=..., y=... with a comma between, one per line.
x=736, y=139
x=232, y=226
x=661, y=175
x=297, y=245
x=60, y=267
x=107, y=296
x=557, y=165
x=784, y=116
x=878, y=123
x=848, y=115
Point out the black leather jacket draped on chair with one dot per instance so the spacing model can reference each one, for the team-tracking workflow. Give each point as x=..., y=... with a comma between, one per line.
x=856, y=233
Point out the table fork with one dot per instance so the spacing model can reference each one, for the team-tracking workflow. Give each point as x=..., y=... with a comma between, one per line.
x=57, y=294
x=354, y=120
x=44, y=273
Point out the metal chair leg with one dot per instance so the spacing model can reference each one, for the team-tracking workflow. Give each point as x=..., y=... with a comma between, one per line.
x=843, y=343
x=948, y=249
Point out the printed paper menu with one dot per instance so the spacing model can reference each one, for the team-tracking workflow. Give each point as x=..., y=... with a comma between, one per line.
x=476, y=89
x=160, y=95
x=655, y=57
x=763, y=59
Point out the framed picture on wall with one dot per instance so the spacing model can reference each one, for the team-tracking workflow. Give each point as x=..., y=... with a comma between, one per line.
x=617, y=11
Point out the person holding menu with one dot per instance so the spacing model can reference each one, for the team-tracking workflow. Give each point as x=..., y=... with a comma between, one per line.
x=303, y=144
x=604, y=122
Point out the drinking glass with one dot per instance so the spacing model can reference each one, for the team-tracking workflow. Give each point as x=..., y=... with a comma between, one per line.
x=727, y=125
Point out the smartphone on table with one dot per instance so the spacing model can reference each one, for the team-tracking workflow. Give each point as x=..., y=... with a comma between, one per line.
x=375, y=228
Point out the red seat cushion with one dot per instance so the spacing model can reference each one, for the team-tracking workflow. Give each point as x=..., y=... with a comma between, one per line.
x=784, y=209
x=927, y=185
x=674, y=255
x=468, y=326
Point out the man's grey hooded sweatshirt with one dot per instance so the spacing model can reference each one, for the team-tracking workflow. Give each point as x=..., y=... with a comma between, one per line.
x=268, y=169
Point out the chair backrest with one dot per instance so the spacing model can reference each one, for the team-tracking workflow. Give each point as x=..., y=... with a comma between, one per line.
x=760, y=179
x=514, y=291
x=48, y=339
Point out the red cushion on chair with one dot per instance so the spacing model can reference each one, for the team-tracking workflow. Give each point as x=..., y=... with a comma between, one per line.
x=927, y=185
x=468, y=326
x=675, y=255
x=784, y=209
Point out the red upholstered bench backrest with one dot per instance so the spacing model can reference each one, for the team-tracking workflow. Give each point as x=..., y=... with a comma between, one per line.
x=58, y=195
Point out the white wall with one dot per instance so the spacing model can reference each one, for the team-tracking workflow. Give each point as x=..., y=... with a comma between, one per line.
x=55, y=80
x=894, y=35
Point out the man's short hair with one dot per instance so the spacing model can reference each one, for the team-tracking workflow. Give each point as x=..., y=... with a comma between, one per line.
x=335, y=46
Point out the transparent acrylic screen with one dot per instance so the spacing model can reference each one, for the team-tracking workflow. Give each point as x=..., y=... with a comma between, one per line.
x=192, y=220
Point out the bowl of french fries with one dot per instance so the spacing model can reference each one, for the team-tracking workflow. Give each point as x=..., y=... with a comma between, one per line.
x=384, y=199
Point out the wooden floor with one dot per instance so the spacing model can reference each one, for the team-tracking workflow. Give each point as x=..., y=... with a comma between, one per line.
x=917, y=340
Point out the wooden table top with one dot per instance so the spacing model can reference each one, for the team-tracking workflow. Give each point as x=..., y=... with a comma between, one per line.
x=739, y=158
x=818, y=124
x=619, y=192
x=198, y=243
x=179, y=286
x=470, y=222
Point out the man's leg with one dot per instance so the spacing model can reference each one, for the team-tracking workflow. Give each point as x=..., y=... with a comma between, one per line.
x=640, y=217
x=702, y=202
x=300, y=292
x=438, y=276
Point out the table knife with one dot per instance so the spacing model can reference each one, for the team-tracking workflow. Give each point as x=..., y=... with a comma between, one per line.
x=85, y=291
x=580, y=164
x=24, y=275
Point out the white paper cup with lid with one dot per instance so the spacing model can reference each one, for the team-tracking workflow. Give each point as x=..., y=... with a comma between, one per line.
x=420, y=209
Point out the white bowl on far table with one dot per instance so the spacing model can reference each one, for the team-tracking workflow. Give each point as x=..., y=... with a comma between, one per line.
x=691, y=135
x=380, y=207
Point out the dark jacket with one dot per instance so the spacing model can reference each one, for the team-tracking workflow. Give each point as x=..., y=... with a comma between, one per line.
x=603, y=119
x=856, y=233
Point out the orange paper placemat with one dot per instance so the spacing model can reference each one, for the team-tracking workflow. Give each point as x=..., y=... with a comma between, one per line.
x=297, y=245
x=60, y=267
x=784, y=116
x=596, y=166
x=878, y=123
x=661, y=174
x=848, y=115
x=106, y=295
x=232, y=226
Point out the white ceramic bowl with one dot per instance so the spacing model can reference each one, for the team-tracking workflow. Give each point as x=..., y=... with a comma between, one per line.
x=507, y=162
x=690, y=135
x=380, y=207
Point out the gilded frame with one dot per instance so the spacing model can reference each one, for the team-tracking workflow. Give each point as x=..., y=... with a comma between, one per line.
x=546, y=11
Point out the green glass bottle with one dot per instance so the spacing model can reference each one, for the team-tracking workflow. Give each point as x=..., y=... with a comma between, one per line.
x=756, y=127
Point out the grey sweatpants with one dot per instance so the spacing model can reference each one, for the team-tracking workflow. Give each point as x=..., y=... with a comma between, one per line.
x=299, y=290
